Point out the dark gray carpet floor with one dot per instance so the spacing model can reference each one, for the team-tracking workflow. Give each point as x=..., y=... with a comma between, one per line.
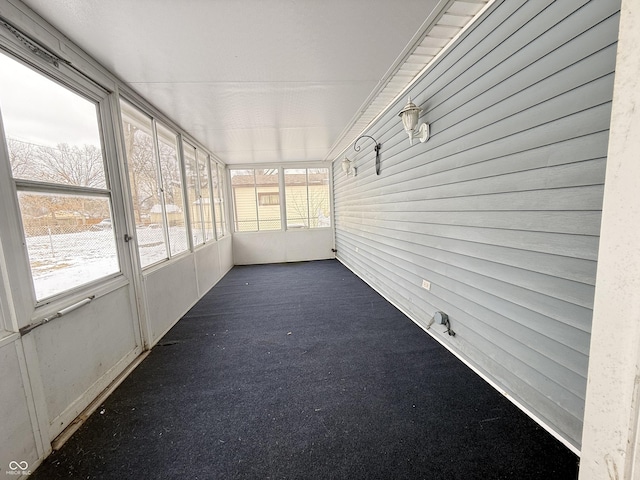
x=302, y=371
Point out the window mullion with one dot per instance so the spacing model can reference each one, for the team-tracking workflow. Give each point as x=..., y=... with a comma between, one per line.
x=308, y=200
x=255, y=191
x=212, y=199
x=283, y=199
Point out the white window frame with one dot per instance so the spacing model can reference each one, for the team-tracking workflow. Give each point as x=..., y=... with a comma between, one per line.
x=18, y=267
x=329, y=186
x=223, y=175
x=255, y=198
x=281, y=191
x=211, y=210
x=180, y=160
x=156, y=162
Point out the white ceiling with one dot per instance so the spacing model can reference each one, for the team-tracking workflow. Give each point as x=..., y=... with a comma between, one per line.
x=252, y=80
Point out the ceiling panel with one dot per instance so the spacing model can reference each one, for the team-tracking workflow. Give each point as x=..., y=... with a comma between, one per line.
x=253, y=80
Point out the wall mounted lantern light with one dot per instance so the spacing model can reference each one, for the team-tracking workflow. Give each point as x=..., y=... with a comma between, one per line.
x=409, y=115
x=348, y=167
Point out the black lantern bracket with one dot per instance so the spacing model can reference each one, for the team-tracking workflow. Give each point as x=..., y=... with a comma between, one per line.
x=377, y=148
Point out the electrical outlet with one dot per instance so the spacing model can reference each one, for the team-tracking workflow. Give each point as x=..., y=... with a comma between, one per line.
x=426, y=284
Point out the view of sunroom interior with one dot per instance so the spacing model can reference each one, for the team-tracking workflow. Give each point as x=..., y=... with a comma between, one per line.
x=407, y=183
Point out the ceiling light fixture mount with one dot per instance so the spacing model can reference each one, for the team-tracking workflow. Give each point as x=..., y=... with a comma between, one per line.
x=409, y=115
x=377, y=148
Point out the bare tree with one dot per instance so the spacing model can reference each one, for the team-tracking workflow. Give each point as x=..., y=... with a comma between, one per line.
x=63, y=164
x=143, y=173
x=307, y=199
x=21, y=156
x=171, y=177
x=71, y=165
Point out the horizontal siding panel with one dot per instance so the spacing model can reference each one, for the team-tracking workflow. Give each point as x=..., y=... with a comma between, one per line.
x=509, y=355
x=572, y=223
x=513, y=72
x=577, y=198
x=420, y=162
x=519, y=382
x=495, y=104
x=556, y=327
x=502, y=121
x=567, y=290
x=574, y=316
x=580, y=174
x=500, y=210
x=569, y=268
x=533, y=38
x=543, y=76
x=564, y=152
x=578, y=252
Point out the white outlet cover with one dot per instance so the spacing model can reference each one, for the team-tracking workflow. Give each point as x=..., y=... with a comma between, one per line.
x=426, y=284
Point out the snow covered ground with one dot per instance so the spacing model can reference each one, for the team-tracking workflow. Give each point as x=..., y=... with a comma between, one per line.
x=60, y=262
x=64, y=261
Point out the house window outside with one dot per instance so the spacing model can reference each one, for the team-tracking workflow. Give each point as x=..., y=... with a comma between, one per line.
x=55, y=150
x=266, y=199
x=307, y=197
x=247, y=186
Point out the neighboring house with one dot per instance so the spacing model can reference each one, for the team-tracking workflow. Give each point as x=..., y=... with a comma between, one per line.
x=174, y=215
x=256, y=201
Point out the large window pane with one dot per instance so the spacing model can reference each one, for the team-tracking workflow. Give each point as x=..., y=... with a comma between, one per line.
x=243, y=185
x=296, y=194
x=172, y=187
x=215, y=193
x=193, y=194
x=70, y=240
x=144, y=184
x=221, y=220
x=307, y=197
x=52, y=133
x=205, y=195
x=256, y=199
x=267, y=186
x=53, y=137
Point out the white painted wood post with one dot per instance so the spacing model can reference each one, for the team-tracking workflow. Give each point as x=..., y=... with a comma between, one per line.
x=610, y=447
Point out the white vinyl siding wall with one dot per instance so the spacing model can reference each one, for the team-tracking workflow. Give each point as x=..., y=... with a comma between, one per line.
x=500, y=208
